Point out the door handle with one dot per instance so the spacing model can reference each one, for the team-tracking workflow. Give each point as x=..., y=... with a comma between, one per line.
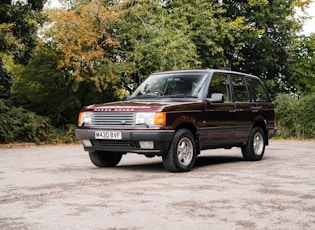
x=256, y=108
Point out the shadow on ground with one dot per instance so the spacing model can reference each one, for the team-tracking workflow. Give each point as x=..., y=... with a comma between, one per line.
x=202, y=161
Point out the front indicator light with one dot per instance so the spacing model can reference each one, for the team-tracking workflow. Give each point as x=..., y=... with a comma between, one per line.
x=160, y=118
x=151, y=118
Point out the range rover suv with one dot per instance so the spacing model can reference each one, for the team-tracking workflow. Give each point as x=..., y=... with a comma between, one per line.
x=177, y=114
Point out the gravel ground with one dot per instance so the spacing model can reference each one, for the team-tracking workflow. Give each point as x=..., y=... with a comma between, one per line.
x=57, y=187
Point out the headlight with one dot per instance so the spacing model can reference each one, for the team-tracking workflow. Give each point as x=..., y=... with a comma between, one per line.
x=85, y=118
x=151, y=118
x=145, y=118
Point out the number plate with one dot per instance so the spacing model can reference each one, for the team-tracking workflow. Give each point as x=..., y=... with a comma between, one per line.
x=108, y=135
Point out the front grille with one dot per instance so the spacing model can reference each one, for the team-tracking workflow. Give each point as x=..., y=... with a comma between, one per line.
x=112, y=118
x=110, y=143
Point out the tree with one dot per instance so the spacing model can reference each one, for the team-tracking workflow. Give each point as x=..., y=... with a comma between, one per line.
x=170, y=35
x=302, y=65
x=19, y=21
x=124, y=41
x=6, y=81
x=43, y=88
x=156, y=37
x=82, y=38
x=262, y=47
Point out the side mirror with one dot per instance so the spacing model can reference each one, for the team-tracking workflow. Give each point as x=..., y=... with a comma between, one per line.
x=216, y=98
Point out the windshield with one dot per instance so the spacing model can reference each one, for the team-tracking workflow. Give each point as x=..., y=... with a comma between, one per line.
x=171, y=85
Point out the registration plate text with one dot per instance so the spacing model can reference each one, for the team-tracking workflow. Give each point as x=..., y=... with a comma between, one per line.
x=108, y=135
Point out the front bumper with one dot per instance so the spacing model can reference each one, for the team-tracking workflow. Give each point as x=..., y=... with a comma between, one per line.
x=129, y=142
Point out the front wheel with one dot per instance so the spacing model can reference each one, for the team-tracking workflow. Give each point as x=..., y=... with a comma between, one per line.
x=182, y=153
x=255, y=148
x=105, y=159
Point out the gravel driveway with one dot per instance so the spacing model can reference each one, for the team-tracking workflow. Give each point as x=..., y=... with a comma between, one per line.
x=56, y=187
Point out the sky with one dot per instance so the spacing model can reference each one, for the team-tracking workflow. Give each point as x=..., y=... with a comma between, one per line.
x=308, y=28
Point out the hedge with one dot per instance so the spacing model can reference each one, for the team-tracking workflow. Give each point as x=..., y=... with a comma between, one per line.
x=295, y=117
x=20, y=125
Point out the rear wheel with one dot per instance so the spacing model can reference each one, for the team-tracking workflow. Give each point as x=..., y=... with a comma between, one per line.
x=105, y=159
x=255, y=148
x=182, y=153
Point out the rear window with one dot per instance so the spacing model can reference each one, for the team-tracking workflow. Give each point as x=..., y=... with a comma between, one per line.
x=240, y=90
x=257, y=91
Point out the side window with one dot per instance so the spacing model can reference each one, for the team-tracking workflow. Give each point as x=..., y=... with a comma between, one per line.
x=220, y=84
x=257, y=91
x=240, y=89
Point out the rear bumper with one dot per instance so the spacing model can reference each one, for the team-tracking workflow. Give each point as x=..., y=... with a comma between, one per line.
x=129, y=142
x=272, y=132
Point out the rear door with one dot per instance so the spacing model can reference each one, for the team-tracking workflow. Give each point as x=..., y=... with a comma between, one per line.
x=264, y=108
x=245, y=112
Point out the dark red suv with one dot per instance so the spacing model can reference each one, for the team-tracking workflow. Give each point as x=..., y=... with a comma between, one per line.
x=179, y=113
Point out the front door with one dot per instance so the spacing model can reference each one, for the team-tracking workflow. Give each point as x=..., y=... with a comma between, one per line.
x=220, y=115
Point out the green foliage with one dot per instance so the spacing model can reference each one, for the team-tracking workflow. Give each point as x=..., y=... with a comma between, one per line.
x=19, y=21
x=18, y=124
x=261, y=46
x=286, y=116
x=124, y=41
x=6, y=81
x=302, y=65
x=295, y=117
x=63, y=135
x=306, y=116
x=156, y=38
x=43, y=88
x=113, y=42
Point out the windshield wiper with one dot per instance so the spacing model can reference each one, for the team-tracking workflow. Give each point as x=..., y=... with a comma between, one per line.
x=177, y=96
x=144, y=96
x=155, y=97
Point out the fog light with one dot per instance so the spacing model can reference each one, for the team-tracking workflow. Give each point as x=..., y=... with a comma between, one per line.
x=146, y=144
x=86, y=143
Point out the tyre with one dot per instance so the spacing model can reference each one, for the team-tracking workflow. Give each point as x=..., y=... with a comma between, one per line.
x=255, y=148
x=105, y=159
x=182, y=153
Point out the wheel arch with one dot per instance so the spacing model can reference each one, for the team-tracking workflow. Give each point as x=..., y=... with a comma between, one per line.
x=262, y=124
x=192, y=128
